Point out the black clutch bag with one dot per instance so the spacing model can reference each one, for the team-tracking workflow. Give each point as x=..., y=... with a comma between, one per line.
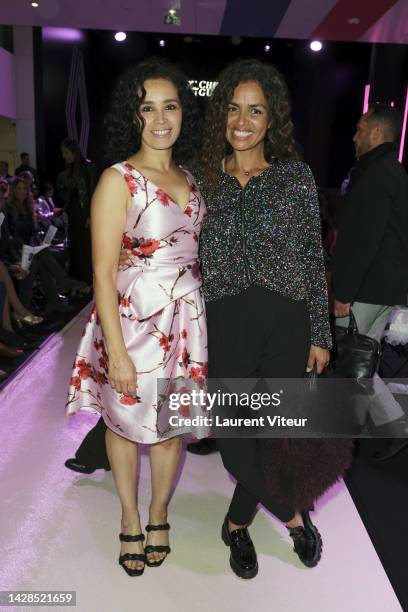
x=357, y=354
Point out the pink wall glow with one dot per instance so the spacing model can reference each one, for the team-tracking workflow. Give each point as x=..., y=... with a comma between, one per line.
x=7, y=84
x=404, y=129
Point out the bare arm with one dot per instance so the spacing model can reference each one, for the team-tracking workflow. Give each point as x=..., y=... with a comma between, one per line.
x=108, y=217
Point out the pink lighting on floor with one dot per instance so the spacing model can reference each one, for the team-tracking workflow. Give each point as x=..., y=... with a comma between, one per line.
x=316, y=45
x=404, y=129
x=366, y=98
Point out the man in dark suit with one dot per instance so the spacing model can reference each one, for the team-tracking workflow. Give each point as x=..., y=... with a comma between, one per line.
x=370, y=266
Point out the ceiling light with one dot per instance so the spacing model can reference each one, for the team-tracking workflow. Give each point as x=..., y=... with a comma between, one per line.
x=162, y=43
x=120, y=36
x=267, y=48
x=316, y=45
x=172, y=17
x=35, y=4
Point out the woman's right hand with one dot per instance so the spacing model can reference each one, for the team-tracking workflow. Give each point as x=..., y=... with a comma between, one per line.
x=122, y=374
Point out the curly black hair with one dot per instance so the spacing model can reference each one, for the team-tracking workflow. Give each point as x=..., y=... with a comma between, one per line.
x=123, y=134
x=279, y=141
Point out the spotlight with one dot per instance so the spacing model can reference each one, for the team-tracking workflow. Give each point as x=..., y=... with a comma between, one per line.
x=162, y=43
x=316, y=45
x=172, y=17
x=35, y=4
x=267, y=48
x=120, y=36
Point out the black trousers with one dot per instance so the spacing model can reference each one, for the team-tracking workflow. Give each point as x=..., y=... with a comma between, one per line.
x=93, y=449
x=255, y=334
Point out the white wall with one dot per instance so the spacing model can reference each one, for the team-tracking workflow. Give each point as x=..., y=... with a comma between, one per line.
x=24, y=84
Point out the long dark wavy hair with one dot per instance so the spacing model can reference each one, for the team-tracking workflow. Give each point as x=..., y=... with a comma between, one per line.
x=25, y=208
x=74, y=168
x=279, y=142
x=123, y=132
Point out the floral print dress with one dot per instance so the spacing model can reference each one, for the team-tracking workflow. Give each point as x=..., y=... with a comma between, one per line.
x=162, y=316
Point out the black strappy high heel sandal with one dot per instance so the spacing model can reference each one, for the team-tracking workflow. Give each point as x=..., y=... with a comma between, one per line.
x=132, y=556
x=159, y=548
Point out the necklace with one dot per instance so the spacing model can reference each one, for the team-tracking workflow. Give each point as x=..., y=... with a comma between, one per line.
x=253, y=171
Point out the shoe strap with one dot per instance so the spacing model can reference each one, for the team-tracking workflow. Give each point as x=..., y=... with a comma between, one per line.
x=131, y=538
x=163, y=527
x=131, y=557
x=150, y=549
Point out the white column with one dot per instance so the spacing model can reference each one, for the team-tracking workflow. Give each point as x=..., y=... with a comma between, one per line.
x=25, y=102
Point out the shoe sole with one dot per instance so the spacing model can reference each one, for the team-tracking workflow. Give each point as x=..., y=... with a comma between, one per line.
x=238, y=571
x=73, y=469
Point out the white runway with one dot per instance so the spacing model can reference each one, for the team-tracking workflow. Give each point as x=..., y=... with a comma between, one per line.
x=59, y=530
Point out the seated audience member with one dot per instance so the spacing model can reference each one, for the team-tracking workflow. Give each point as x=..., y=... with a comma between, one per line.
x=26, y=166
x=5, y=349
x=4, y=171
x=13, y=307
x=29, y=180
x=48, y=213
x=4, y=190
x=21, y=229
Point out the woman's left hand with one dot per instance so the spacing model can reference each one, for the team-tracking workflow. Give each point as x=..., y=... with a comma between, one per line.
x=318, y=356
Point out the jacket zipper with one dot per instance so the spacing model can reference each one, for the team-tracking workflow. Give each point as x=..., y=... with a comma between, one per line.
x=246, y=262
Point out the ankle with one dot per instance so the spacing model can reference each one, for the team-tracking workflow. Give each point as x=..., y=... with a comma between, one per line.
x=296, y=521
x=233, y=526
x=130, y=521
x=157, y=516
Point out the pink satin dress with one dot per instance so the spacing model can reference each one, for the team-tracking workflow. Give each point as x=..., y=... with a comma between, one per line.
x=162, y=315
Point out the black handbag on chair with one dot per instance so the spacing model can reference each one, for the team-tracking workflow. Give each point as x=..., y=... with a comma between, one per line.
x=357, y=354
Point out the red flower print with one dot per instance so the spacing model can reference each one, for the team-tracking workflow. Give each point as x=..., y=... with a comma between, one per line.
x=162, y=197
x=128, y=400
x=100, y=378
x=148, y=247
x=188, y=210
x=103, y=363
x=125, y=302
x=183, y=334
x=127, y=242
x=129, y=167
x=76, y=382
x=195, y=269
x=185, y=357
x=131, y=183
x=204, y=369
x=193, y=188
x=164, y=343
x=194, y=373
x=184, y=410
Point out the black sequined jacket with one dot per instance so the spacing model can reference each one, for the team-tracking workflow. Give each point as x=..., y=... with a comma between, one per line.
x=267, y=234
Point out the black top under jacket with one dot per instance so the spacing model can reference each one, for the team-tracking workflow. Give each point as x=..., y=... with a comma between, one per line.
x=371, y=258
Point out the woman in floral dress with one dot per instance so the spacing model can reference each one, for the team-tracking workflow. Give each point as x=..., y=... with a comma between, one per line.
x=149, y=319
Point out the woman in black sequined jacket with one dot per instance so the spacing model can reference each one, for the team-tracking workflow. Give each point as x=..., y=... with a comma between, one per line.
x=266, y=297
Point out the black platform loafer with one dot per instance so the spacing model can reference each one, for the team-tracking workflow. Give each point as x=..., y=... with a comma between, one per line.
x=206, y=446
x=307, y=541
x=243, y=560
x=76, y=466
